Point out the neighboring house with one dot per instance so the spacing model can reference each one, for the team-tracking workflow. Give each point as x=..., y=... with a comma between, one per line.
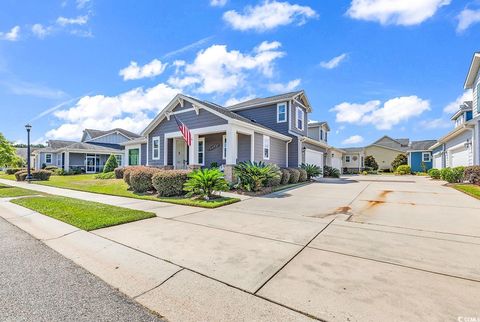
x=353, y=160
x=461, y=146
x=419, y=155
x=272, y=130
x=89, y=155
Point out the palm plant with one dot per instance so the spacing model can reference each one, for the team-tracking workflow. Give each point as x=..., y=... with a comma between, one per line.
x=204, y=183
x=312, y=170
x=255, y=175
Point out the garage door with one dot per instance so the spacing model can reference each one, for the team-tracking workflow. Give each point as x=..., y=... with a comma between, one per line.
x=437, y=161
x=314, y=157
x=459, y=157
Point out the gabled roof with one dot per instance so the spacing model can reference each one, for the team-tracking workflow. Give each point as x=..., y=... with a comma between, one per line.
x=261, y=101
x=393, y=144
x=423, y=145
x=466, y=106
x=317, y=124
x=352, y=150
x=472, y=71
x=88, y=147
x=93, y=134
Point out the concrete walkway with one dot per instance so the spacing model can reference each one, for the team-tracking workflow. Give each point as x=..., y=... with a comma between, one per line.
x=359, y=248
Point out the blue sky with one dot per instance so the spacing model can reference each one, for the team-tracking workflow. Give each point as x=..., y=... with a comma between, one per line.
x=369, y=67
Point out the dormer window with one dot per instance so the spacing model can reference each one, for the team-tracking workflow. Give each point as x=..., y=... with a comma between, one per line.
x=460, y=120
x=281, y=112
x=321, y=134
x=300, y=118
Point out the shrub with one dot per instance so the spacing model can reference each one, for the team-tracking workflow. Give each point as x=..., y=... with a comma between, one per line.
x=254, y=175
x=400, y=159
x=13, y=170
x=364, y=173
x=370, y=162
x=294, y=175
x=51, y=168
x=204, y=183
x=444, y=172
x=214, y=165
x=105, y=175
x=21, y=175
x=41, y=175
x=275, y=180
x=331, y=172
x=285, y=176
x=119, y=172
x=456, y=175
x=472, y=174
x=312, y=170
x=169, y=183
x=141, y=179
x=59, y=172
x=403, y=170
x=303, y=175
x=111, y=164
x=127, y=171
x=434, y=173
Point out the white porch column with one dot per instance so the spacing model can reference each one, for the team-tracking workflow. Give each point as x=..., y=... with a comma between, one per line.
x=232, y=146
x=67, y=161
x=193, y=151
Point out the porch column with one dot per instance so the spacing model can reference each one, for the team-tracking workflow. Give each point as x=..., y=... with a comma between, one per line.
x=193, y=153
x=232, y=152
x=66, y=165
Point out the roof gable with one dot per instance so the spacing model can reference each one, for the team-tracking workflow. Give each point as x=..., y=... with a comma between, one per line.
x=472, y=71
x=299, y=96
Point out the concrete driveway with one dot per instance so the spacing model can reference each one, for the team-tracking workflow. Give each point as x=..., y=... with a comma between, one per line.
x=358, y=248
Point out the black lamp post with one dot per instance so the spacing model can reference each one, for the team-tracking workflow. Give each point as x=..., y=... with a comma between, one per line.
x=28, y=127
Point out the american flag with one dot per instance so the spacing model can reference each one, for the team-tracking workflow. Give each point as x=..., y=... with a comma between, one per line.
x=187, y=136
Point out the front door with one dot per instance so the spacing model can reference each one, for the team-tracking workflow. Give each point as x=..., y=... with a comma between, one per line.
x=133, y=157
x=180, y=160
x=91, y=164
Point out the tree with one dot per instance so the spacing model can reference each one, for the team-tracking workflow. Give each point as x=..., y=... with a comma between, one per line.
x=111, y=164
x=400, y=159
x=370, y=162
x=7, y=152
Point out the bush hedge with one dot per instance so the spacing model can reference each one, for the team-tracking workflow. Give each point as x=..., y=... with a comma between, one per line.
x=168, y=183
x=119, y=172
x=39, y=175
x=330, y=172
x=111, y=164
x=294, y=175
x=434, y=173
x=285, y=176
x=303, y=175
x=141, y=179
x=472, y=174
x=13, y=170
x=21, y=175
x=274, y=181
x=127, y=171
x=51, y=168
x=403, y=170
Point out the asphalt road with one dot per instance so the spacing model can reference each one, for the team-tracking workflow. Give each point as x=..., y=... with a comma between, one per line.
x=38, y=284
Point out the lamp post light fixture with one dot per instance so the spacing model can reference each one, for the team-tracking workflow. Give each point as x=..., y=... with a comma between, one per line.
x=28, y=127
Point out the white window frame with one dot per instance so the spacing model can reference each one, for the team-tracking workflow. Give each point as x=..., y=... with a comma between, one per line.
x=202, y=151
x=51, y=158
x=284, y=113
x=266, y=146
x=299, y=109
x=426, y=154
x=156, y=139
x=119, y=158
x=224, y=147
x=347, y=159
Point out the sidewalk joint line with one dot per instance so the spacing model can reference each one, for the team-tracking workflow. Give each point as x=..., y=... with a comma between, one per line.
x=157, y=286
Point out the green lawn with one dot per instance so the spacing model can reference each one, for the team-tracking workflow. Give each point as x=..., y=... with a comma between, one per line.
x=469, y=189
x=83, y=214
x=7, y=191
x=118, y=187
x=7, y=176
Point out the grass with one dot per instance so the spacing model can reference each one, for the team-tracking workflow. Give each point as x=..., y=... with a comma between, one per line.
x=83, y=214
x=118, y=187
x=3, y=175
x=8, y=192
x=469, y=189
x=288, y=186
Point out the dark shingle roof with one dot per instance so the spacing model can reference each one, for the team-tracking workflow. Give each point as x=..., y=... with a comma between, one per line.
x=88, y=146
x=422, y=145
x=265, y=100
x=96, y=133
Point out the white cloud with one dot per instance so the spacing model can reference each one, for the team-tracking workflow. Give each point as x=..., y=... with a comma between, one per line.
x=40, y=31
x=80, y=20
x=218, y=70
x=152, y=69
x=132, y=110
x=438, y=123
x=384, y=117
x=466, y=18
x=188, y=47
x=288, y=87
x=334, y=62
x=354, y=139
x=82, y=3
x=11, y=35
x=218, y=3
x=268, y=15
x=401, y=12
x=232, y=101
x=19, y=87
x=455, y=105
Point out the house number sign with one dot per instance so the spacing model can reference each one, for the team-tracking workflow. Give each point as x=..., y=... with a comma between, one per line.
x=213, y=146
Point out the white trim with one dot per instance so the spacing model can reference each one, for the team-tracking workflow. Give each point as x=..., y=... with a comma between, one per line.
x=284, y=104
x=202, y=139
x=51, y=158
x=148, y=144
x=224, y=147
x=127, y=153
x=298, y=108
x=155, y=138
x=266, y=140
x=286, y=152
x=107, y=134
x=165, y=150
x=429, y=156
x=289, y=116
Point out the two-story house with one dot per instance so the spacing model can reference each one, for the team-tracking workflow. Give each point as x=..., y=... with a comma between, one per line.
x=272, y=130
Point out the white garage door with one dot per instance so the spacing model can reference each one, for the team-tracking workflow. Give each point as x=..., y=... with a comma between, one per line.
x=437, y=161
x=459, y=157
x=314, y=157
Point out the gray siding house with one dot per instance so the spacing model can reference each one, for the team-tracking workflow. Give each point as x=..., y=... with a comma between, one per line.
x=272, y=130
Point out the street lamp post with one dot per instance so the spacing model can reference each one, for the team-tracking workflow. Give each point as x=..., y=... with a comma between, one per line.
x=28, y=127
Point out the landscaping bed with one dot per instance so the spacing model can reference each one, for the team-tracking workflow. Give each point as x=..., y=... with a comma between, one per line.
x=268, y=190
x=86, y=215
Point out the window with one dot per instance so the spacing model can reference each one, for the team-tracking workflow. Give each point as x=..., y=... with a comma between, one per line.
x=266, y=147
x=201, y=151
x=321, y=134
x=224, y=147
x=281, y=112
x=326, y=136
x=119, y=158
x=478, y=97
x=347, y=158
x=459, y=120
x=300, y=117
x=48, y=158
x=426, y=157
x=156, y=148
